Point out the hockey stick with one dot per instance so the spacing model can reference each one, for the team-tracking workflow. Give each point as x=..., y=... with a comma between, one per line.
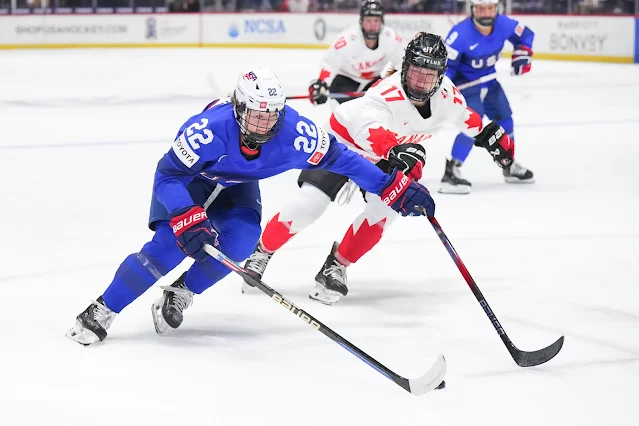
x=484, y=79
x=469, y=84
x=342, y=95
x=522, y=358
x=210, y=79
x=419, y=386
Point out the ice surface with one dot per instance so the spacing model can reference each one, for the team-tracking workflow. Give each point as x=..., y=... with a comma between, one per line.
x=82, y=131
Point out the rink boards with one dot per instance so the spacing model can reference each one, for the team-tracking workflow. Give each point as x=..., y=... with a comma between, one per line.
x=586, y=38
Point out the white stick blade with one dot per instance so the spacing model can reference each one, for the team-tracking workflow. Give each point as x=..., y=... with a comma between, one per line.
x=431, y=379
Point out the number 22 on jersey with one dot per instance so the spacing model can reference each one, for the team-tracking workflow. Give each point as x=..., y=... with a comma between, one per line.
x=318, y=147
x=196, y=134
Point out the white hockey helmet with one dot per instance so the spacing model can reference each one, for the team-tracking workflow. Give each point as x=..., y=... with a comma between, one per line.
x=258, y=101
x=484, y=21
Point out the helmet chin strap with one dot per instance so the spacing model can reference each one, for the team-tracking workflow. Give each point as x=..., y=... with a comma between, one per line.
x=484, y=25
x=370, y=36
x=248, y=149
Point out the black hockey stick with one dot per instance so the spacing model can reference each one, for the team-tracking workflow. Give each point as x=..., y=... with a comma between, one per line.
x=419, y=386
x=522, y=358
x=341, y=95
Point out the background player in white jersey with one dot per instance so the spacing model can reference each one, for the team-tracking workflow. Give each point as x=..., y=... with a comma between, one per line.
x=474, y=46
x=386, y=126
x=359, y=55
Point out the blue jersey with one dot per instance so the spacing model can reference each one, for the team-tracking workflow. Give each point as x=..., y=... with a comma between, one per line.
x=207, y=148
x=472, y=55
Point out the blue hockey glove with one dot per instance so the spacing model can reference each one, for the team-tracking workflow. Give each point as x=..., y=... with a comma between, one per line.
x=406, y=196
x=192, y=230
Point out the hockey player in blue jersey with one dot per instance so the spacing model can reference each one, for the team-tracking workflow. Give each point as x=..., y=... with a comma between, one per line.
x=474, y=46
x=206, y=191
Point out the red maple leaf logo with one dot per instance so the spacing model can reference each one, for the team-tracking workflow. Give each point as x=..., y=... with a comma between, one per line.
x=324, y=74
x=474, y=120
x=382, y=140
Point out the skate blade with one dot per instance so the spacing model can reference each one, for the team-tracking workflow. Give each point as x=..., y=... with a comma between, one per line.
x=323, y=295
x=156, y=312
x=512, y=179
x=446, y=188
x=81, y=335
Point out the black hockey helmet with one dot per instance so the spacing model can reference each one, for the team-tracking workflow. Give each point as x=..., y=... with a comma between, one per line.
x=424, y=52
x=371, y=8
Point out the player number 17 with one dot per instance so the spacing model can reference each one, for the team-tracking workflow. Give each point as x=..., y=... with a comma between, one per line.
x=399, y=96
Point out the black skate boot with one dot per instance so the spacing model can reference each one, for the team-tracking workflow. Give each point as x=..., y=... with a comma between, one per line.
x=167, y=310
x=518, y=174
x=256, y=265
x=330, y=281
x=453, y=182
x=91, y=325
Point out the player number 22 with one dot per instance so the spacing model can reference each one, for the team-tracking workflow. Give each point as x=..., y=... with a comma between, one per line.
x=302, y=143
x=204, y=137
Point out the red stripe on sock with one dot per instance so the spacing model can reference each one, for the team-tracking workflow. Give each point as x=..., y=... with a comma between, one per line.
x=276, y=234
x=356, y=244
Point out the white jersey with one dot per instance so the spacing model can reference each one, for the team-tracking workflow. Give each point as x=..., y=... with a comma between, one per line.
x=363, y=124
x=349, y=55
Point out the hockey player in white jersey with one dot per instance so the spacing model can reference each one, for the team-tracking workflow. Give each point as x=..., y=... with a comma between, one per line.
x=358, y=56
x=387, y=126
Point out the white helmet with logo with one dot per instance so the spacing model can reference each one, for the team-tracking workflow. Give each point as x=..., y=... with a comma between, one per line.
x=258, y=101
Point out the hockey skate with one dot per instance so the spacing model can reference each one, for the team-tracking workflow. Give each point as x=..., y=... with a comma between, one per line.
x=91, y=325
x=453, y=182
x=518, y=174
x=330, y=281
x=168, y=310
x=256, y=265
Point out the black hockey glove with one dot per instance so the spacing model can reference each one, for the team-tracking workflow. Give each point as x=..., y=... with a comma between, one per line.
x=410, y=158
x=495, y=139
x=318, y=92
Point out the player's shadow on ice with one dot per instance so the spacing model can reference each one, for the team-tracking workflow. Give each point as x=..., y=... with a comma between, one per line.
x=196, y=335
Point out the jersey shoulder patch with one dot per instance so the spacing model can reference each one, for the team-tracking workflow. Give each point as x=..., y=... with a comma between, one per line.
x=323, y=143
x=184, y=152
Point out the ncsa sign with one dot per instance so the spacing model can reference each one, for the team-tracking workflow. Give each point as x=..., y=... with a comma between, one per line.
x=258, y=26
x=261, y=26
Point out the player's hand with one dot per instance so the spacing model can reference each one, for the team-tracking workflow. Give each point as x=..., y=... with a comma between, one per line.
x=495, y=139
x=406, y=196
x=522, y=60
x=318, y=92
x=192, y=230
x=410, y=158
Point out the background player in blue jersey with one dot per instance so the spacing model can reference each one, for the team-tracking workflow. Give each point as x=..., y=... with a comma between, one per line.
x=474, y=46
x=206, y=191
